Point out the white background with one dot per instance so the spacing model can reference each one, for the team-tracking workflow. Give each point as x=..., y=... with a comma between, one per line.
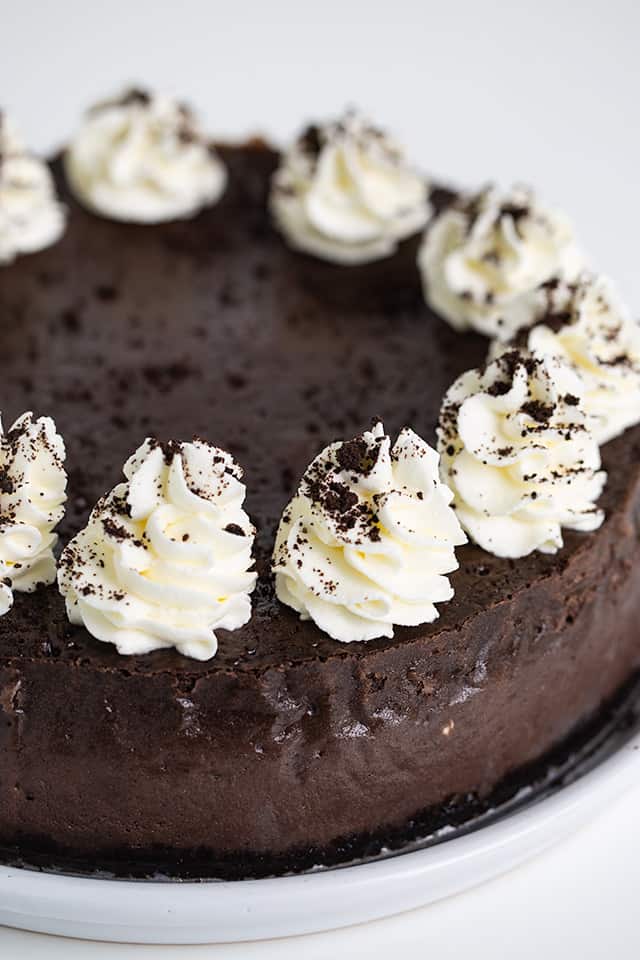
x=542, y=92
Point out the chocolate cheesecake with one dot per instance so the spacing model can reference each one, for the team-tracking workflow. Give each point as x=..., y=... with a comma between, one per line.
x=287, y=748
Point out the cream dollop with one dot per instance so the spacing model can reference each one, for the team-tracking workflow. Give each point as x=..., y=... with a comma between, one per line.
x=165, y=558
x=32, y=500
x=587, y=325
x=519, y=453
x=143, y=158
x=345, y=193
x=369, y=538
x=31, y=216
x=483, y=258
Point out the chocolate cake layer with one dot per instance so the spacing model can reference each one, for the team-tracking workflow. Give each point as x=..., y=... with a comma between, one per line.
x=286, y=740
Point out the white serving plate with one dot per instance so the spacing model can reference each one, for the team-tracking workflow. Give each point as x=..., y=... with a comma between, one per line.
x=227, y=912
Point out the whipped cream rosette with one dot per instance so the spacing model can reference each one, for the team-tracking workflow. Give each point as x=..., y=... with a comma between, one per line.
x=143, y=158
x=369, y=539
x=484, y=257
x=165, y=559
x=345, y=193
x=32, y=501
x=31, y=216
x=519, y=452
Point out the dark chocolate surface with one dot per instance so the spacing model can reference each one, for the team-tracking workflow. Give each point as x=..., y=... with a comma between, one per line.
x=286, y=739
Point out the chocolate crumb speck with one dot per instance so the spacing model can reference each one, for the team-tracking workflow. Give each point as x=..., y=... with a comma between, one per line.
x=538, y=411
x=235, y=529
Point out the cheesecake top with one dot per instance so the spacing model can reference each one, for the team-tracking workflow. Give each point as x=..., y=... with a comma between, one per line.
x=215, y=327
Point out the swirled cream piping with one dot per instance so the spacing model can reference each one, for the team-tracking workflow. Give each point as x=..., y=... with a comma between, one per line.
x=587, y=325
x=369, y=538
x=165, y=558
x=344, y=193
x=143, y=158
x=31, y=217
x=483, y=258
x=32, y=498
x=519, y=453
